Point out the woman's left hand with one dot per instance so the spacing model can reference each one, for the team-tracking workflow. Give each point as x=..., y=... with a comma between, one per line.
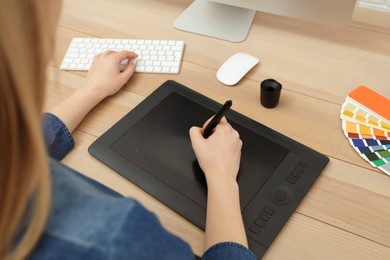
x=105, y=77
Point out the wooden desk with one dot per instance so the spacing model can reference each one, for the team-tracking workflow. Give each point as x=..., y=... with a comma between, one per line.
x=346, y=215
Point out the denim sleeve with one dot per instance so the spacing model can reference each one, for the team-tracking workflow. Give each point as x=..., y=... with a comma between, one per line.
x=228, y=251
x=142, y=236
x=58, y=139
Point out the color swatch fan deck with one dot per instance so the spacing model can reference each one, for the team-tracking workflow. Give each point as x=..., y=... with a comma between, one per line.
x=365, y=117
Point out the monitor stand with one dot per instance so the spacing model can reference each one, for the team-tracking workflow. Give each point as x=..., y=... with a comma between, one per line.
x=216, y=20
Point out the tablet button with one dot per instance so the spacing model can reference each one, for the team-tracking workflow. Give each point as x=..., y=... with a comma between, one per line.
x=303, y=164
x=268, y=211
x=291, y=180
x=281, y=195
x=299, y=169
x=255, y=229
x=259, y=222
x=264, y=217
x=295, y=174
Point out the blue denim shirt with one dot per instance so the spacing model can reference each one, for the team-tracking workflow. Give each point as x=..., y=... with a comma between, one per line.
x=90, y=221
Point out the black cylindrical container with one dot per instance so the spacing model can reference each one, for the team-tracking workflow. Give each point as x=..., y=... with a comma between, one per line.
x=270, y=93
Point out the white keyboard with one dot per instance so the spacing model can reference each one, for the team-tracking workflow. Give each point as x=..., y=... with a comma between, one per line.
x=155, y=56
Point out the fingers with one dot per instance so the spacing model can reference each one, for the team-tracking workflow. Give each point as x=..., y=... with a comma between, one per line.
x=129, y=70
x=224, y=126
x=119, y=56
x=104, y=53
x=122, y=55
x=196, y=133
x=129, y=56
x=224, y=120
x=207, y=122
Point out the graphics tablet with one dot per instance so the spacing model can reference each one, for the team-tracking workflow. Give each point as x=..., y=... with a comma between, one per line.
x=151, y=147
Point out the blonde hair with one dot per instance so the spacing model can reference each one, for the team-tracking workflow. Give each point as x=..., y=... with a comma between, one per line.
x=24, y=178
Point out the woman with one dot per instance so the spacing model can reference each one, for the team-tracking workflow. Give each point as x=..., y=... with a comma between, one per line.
x=48, y=211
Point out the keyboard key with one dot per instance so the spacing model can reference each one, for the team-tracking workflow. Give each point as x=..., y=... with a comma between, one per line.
x=174, y=70
x=71, y=55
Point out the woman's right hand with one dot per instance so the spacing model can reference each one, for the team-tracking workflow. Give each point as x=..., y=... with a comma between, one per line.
x=219, y=155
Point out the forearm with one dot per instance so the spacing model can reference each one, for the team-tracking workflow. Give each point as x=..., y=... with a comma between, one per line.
x=224, y=221
x=74, y=109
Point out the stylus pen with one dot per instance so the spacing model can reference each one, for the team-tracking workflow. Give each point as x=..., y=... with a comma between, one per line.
x=216, y=119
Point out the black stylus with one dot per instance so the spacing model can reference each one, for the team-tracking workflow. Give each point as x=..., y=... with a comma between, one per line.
x=216, y=119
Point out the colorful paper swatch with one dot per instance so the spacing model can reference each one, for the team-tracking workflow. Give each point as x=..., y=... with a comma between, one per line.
x=365, y=117
x=354, y=114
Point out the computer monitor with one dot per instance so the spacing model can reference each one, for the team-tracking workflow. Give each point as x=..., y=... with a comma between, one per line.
x=231, y=19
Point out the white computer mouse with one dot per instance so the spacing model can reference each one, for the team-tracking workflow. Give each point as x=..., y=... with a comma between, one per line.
x=235, y=68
